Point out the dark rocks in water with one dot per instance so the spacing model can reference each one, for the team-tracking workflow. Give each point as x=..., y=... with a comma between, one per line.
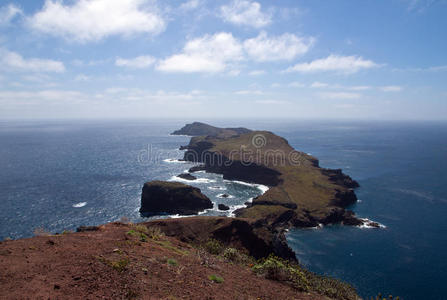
x=197, y=168
x=201, y=129
x=162, y=197
x=187, y=176
x=373, y=224
x=224, y=196
x=223, y=207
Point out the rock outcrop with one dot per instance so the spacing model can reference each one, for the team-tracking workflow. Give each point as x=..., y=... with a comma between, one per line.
x=161, y=197
x=187, y=176
x=222, y=206
x=255, y=238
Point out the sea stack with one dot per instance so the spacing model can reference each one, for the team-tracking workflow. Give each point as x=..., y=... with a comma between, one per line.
x=162, y=197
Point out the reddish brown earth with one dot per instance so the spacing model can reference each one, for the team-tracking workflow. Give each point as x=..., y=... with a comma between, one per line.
x=80, y=266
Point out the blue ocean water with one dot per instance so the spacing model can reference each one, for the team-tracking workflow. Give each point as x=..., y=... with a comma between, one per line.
x=58, y=175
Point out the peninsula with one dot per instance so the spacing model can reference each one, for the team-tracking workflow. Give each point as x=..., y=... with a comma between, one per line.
x=301, y=193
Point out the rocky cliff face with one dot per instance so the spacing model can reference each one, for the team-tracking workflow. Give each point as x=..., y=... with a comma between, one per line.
x=160, y=197
x=256, y=239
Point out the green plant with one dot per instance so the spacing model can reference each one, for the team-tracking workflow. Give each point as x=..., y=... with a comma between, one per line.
x=214, y=246
x=155, y=233
x=275, y=268
x=141, y=228
x=120, y=265
x=172, y=262
x=231, y=254
x=142, y=236
x=215, y=278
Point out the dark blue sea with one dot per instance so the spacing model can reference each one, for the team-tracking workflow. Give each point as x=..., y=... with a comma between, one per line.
x=58, y=175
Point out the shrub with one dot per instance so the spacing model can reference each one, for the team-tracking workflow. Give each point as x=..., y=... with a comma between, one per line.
x=282, y=270
x=214, y=246
x=215, y=278
x=172, y=262
x=275, y=268
x=120, y=265
x=235, y=256
x=155, y=233
x=142, y=236
x=141, y=228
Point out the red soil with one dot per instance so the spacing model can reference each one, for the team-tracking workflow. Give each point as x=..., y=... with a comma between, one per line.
x=80, y=266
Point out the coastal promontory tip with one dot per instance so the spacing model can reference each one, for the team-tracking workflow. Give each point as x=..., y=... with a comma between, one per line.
x=202, y=129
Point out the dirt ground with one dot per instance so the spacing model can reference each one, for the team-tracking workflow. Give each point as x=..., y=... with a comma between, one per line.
x=110, y=263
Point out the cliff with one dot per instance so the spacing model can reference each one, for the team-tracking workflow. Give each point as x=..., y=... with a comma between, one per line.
x=301, y=193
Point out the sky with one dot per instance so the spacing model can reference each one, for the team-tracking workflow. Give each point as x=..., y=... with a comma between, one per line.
x=295, y=59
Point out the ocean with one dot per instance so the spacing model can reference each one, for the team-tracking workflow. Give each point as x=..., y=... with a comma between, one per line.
x=58, y=175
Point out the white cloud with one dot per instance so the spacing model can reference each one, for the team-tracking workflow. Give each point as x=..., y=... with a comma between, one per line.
x=47, y=95
x=296, y=84
x=8, y=13
x=334, y=63
x=15, y=62
x=139, y=62
x=319, y=85
x=244, y=12
x=275, y=85
x=271, y=101
x=190, y=5
x=257, y=72
x=359, y=88
x=391, y=88
x=91, y=20
x=283, y=47
x=210, y=53
x=82, y=77
x=339, y=95
x=249, y=92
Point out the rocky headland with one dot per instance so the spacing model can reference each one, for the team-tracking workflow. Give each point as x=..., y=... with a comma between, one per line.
x=301, y=193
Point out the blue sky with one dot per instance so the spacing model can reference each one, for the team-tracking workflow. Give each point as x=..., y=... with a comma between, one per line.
x=309, y=59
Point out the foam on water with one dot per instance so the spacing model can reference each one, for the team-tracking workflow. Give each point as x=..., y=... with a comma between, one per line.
x=198, y=180
x=261, y=187
x=175, y=160
x=80, y=204
x=368, y=224
x=220, y=188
